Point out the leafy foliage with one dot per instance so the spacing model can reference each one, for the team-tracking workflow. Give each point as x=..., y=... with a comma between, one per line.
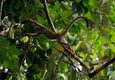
x=36, y=58
x=9, y=54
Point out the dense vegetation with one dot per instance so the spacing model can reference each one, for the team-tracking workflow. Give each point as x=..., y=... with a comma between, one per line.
x=25, y=57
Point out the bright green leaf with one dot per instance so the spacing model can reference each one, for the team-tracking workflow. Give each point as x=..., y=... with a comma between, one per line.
x=112, y=17
x=25, y=39
x=89, y=15
x=92, y=3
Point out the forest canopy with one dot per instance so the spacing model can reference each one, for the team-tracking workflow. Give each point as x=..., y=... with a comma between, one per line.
x=57, y=40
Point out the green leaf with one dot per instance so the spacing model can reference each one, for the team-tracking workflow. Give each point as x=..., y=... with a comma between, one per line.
x=57, y=6
x=8, y=55
x=62, y=76
x=65, y=14
x=113, y=39
x=89, y=15
x=85, y=3
x=43, y=42
x=92, y=57
x=25, y=39
x=112, y=32
x=78, y=1
x=92, y=3
x=112, y=17
x=42, y=20
x=24, y=15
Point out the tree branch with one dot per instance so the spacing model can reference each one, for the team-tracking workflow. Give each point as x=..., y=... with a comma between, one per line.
x=102, y=67
x=48, y=16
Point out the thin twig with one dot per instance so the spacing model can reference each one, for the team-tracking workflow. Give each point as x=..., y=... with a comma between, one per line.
x=48, y=16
